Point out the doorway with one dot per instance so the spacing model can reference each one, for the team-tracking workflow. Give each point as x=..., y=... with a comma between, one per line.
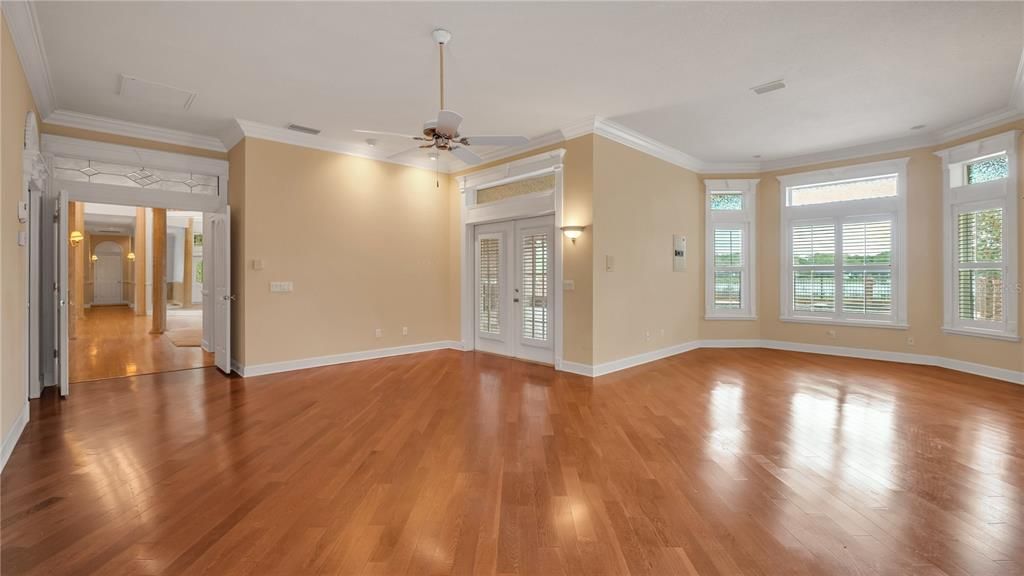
x=514, y=278
x=116, y=273
x=117, y=328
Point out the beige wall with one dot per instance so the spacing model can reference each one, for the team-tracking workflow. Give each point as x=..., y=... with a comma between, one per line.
x=924, y=259
x=15, y=102
x=366, y=244
x=639, y=203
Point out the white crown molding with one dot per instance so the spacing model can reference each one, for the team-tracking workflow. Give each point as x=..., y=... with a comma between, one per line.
x=252, y=129
x=24, y=26
x=134, y=130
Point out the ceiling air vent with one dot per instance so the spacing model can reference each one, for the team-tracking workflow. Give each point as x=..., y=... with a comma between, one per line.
x=303, y=129
x=769, y=87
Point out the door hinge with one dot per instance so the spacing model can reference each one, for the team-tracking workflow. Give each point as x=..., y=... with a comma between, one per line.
x=56, y=353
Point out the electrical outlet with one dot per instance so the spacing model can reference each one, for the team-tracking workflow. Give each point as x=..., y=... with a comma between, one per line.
x=379, y=333
x=830, y=333
x=910, y=340
x=569, y=285
x=609, y=263
x=647, y=335
x=405, y=330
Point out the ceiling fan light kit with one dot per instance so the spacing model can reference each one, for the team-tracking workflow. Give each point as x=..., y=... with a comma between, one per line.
x=443, y=133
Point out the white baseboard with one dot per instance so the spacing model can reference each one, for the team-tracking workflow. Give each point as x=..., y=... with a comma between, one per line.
x=631, y=361
x=1004, y=374
x=289, y=365
x=576, y=368
x=12, y=436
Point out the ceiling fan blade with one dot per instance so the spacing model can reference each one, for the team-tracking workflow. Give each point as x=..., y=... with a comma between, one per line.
x=466, y=155
x=495, y=140
x=448, y=122
x=392, y=134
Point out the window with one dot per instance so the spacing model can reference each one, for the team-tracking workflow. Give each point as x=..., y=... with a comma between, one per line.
x=730, y=217
x=842, y=245
x=980, y=226
x=535, y=286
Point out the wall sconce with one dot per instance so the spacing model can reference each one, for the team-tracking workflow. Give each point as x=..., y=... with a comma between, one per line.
x=573, y=232
x=75, y=238
x=131, y=256
x=94, y=258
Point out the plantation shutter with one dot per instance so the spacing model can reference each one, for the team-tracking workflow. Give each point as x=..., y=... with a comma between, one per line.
x=867, y=267
x=535, y=272
x=814, y=260
x=729, y=258
x=980, y=266
x=489, y=276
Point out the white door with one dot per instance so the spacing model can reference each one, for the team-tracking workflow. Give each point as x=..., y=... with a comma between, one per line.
x=532, y=296
x=61, y=294
x=107, y=271
x=494, y=273
x=514, y=277
x=220, y=251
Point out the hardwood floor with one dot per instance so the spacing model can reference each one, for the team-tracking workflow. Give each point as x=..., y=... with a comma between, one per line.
x=713, y=462
x=112, y=342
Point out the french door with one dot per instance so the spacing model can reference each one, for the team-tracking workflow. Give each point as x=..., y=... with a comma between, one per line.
x=513, y=283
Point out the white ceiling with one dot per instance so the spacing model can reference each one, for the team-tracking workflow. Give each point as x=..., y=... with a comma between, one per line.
x=679, y=73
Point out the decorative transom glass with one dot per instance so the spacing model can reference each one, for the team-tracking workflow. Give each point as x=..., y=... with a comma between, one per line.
x=988, y=169
x=135, y=176
x=727, y=201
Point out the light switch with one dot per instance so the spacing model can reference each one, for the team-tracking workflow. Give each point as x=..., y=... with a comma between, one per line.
x=22, y=238
x=257, y=264
x=280, y=286
x=609, y=263
x=569, y=285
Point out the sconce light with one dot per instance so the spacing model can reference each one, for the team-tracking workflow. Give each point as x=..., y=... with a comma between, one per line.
x=94, y=258
x=131, y=256
x=573, y=232
x=75, y=238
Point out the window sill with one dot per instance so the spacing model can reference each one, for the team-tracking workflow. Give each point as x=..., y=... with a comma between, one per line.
x=981, y=333
x=857, y=323
x=747, y=317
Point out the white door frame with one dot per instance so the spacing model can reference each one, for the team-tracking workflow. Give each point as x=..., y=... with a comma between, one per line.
x=34, y=189
x=131, y=196
x=526, y=206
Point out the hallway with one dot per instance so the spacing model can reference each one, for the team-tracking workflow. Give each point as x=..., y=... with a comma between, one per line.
x=112, y=341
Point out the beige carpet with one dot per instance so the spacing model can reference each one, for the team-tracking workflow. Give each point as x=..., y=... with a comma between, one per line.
x=185, y=337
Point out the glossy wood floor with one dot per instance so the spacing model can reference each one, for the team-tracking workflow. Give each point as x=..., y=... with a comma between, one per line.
x=112, y=341
x=714, y=462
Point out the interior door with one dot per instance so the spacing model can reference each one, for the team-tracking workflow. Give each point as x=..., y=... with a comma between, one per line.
x=494, y=332
x=222, y=296
x=532, y=298
x=107, y=272
x=61, y=294
x=514, y=277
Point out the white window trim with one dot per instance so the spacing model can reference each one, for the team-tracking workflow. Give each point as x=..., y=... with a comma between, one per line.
x=1000, y=192
x=745, y=220
x=840, y=212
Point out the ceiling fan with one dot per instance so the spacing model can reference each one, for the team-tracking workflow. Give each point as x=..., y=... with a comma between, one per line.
x=443, y=133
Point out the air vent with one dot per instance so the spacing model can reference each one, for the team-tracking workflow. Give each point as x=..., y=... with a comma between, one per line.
x=769, y=87
x=110, y=230
x=303, y=129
